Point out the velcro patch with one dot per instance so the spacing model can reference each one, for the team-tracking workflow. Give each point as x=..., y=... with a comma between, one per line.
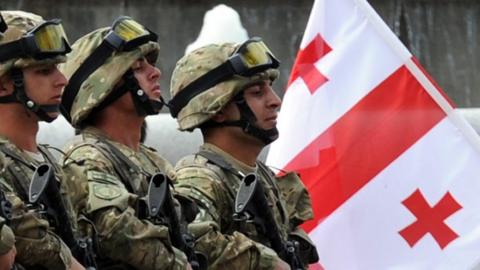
x=106, y=192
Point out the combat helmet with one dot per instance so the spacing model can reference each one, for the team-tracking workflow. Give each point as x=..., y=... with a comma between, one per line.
x=28, y=40
x=208, y=78
x=99, y=61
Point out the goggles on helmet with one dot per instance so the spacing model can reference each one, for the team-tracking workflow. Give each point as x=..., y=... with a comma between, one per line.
x=125, y=34
x=44, y=41
x=252, y=57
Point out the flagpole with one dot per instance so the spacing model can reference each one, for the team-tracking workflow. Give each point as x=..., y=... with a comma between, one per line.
x=398, y=47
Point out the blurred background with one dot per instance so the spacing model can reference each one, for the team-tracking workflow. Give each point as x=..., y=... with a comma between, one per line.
x=443, y=34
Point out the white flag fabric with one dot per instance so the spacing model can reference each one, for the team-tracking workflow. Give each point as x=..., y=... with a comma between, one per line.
x=392, y=168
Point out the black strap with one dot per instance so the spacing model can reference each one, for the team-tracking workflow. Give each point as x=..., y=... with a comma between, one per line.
x=19, y=95
x=218, y=160
x=14, y=49
x=124, y=167
x=92, y=63
x=122, y=171
x=201, y=84
x=8, y=99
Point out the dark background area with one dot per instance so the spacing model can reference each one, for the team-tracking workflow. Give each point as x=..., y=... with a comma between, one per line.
x=442, y=34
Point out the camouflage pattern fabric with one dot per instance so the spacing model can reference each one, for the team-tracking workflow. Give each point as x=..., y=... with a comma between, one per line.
x=227, y=243
x=7, y=238
x=102, y=81
x=207, y=104
x=19, y=23
x=36, y=242
x=100, y=194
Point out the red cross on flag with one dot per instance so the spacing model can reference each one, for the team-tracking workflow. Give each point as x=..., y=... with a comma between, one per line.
x=392, y=168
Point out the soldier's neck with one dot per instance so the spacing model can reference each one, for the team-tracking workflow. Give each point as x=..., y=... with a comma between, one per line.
x=19, y=126
x=242, y=149
x=124, y=128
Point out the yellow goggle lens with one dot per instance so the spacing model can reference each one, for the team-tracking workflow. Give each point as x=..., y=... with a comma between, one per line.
x=256, y=54
x=129, y=30
x=50, y=38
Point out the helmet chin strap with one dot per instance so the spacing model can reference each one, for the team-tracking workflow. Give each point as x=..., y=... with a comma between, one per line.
x=143, y=104
x=248, y=121
x=20, y=96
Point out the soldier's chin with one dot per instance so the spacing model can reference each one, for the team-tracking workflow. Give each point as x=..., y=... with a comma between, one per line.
x=53, y=115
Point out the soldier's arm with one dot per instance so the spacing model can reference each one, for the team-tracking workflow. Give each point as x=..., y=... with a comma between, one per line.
x=7, y=246
x=98, y=194
x=299, y=207
x=224, y=251
x=35, y=242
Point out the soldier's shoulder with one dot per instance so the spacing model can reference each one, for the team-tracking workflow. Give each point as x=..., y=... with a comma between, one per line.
x=198, y=166
x=162, y=163
x=83, y=148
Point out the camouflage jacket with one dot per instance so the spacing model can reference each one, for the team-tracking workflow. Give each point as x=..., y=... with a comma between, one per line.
x=101, y=194
x=36, y=242
x=7, y=238
x=229, y=243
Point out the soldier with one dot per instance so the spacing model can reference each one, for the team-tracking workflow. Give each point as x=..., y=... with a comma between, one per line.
x=7, y=246
x=30, y=92
x=113, y=87
x=225, y=90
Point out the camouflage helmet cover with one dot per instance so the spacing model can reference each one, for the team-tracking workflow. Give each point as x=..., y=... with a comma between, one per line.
x=102, y=81
x=205, y=105
x=19, y=23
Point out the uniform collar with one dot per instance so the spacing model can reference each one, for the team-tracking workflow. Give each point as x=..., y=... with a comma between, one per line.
x=237, y=164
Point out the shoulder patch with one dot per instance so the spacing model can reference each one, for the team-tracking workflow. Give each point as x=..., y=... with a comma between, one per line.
x=106, y=192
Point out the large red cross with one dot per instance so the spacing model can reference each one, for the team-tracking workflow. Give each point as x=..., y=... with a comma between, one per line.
x=430, y=219
x=304, y=66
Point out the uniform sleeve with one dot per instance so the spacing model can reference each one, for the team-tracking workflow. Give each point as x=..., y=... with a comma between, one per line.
x=224, y=251
x=7, y=238
x=35, y=242
x=98, y=194
x=299, y=208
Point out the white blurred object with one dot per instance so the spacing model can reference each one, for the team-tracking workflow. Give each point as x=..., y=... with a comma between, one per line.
x=162, y=134
x=220, y=24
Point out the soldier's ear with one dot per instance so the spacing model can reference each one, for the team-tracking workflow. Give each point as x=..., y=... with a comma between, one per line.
x=6, y=85
x=219, y=117
x=229, y=112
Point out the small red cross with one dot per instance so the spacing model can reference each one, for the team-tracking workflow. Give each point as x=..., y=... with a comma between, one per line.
x=430, y=220
x=304, y=66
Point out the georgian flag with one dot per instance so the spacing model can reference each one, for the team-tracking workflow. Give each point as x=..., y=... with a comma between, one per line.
x=393, y=170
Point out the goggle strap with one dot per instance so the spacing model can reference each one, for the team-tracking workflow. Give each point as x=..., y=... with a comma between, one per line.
x=92, y=63
x=200, y=85
x=11, y=50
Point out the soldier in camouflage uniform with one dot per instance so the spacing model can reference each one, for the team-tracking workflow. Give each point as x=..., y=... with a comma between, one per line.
x=7, y=246
x=236, y=112
x=111, y=91
x=30, y=91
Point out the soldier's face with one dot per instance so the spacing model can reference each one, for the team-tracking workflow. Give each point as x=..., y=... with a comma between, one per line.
x=147, y=77
x=264, y=103
x=44, y=85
